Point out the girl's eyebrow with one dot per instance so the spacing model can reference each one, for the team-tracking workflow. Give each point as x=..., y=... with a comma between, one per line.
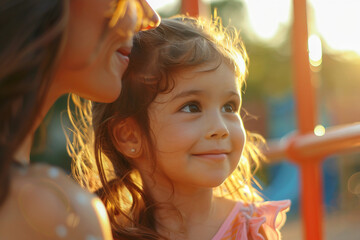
x=233, y=93
x=188, y=93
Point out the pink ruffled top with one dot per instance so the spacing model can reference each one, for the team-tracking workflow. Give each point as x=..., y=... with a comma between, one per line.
x=244, y=221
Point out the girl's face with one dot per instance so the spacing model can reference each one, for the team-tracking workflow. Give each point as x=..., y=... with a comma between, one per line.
x=199, y=135
x=95, y=55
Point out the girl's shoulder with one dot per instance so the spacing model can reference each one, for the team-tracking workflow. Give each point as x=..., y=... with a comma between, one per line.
x=257, y=221
x=45, y=203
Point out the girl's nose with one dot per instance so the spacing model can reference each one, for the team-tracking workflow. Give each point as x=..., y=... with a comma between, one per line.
x=150, y=18
x=218, y=135
x=217, y=128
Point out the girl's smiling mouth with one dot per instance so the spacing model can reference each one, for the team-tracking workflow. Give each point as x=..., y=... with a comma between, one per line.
x=216, y=155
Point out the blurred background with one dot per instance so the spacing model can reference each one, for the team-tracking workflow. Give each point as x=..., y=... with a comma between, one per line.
x=334, y=54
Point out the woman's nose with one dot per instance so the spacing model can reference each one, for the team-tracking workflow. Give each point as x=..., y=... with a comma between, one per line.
x=150, y=18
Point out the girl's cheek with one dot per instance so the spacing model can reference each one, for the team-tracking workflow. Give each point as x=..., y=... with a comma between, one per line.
x=238, y=135
x=178, y=137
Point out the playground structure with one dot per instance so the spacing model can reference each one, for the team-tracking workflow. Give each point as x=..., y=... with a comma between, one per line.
x=305, y=147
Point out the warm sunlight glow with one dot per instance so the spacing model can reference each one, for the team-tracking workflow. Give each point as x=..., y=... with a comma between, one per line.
x=337, y=23
x=319, y=130
x=315, y=50
x=157, y=4
x=242, y=65
x=247, y=190
x=267, y=17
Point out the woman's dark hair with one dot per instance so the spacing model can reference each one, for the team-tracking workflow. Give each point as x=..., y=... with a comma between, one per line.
x=158, y=56
x=31, y=37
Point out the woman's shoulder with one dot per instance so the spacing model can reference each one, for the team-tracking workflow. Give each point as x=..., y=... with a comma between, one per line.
x=45, y=203
x=258, y=220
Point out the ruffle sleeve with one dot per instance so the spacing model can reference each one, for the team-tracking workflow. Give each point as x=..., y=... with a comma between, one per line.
x=268, y=218
x=254, y=221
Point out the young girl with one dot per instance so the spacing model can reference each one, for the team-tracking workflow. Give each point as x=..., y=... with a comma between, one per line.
x=174, y=159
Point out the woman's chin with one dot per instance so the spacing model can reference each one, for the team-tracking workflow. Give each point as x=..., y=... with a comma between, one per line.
x=108, y=98
x=107, y=95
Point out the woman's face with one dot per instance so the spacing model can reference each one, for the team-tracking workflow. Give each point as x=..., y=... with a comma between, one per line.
x=95, y=52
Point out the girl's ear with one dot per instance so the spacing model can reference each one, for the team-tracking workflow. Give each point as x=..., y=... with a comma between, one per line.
x=127, y=137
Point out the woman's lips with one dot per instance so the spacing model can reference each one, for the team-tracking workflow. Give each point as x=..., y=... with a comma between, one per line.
x=122, y=57
x=123, y=53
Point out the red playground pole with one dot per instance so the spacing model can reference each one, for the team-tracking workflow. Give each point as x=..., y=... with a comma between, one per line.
x=190, y=7
x=310, y=167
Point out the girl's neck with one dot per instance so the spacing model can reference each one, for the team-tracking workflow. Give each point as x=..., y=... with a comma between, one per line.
x=193, y=216
x=182, y=209
x=193, y=205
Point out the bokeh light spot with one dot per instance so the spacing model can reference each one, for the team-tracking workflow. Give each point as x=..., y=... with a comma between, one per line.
x=319, y=130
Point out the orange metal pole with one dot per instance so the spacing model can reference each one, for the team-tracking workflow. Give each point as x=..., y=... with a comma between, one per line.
x=190, y=7
x=311, y=199
x=310, y=169
x=337, y=139
x=304, y=89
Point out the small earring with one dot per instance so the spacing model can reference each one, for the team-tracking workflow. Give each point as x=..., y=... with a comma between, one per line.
x=132, y=150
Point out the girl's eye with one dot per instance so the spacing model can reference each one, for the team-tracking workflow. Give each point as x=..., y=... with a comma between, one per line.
x=190, y=108
x=229, y=108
